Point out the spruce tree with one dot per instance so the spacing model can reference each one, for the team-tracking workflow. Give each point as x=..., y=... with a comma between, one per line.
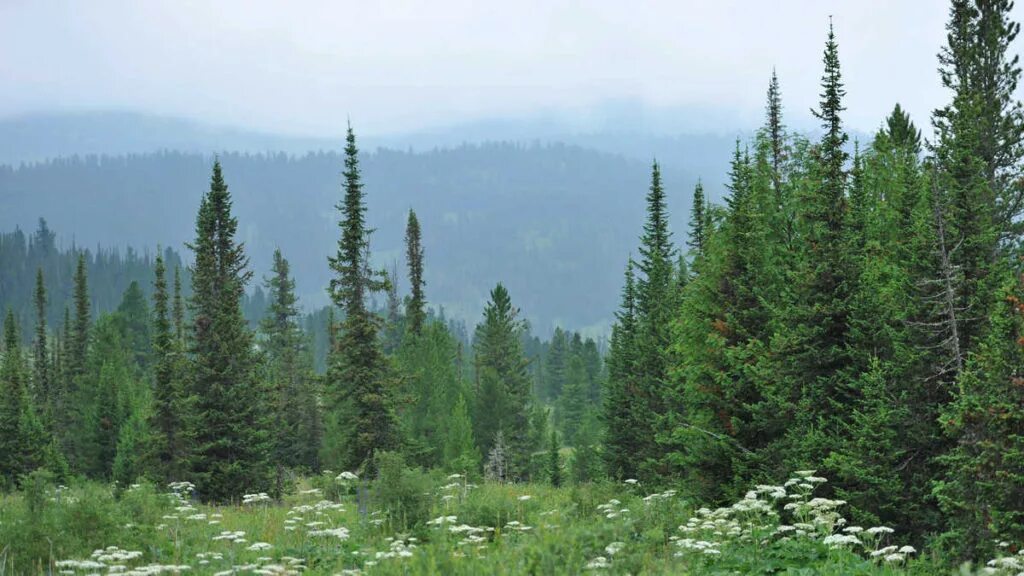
x=290, y=377
x=359, y=380
x=460, y=452
x=79, y=342
x=554, y=461
x=655, y=306
x=178, y=313
x=621, y=404
x=21, y=436
x=982, y=492
x=818, y=360
x=42, y=372
x=415, y=306
x=698, y=222
x=504, y=386
x=167, y=421
x=228, y=455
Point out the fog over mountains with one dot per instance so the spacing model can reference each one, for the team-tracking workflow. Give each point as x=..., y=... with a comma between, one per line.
x=550, y=212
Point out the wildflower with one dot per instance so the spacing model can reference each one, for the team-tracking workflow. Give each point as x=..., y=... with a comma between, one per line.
x=908, y=550
x=255, y=498
x=632, y=481
x=525, y=497
x=614, y=548
x=804, y=473
x=442, y=520
x=598, y=563
x=346, y=477
x=880, y=530
x=340, y=533
x=256, y=546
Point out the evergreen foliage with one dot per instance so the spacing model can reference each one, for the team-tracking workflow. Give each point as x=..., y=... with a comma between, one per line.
x=229, y=451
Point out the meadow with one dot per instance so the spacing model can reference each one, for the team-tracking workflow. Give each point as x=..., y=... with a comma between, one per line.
x=412, y=522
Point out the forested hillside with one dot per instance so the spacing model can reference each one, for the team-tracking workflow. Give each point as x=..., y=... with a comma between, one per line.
x=550, y=221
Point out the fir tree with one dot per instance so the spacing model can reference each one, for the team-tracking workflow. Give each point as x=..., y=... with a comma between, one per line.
x=178, y=313
x=21, y=436
x=554, y=461
x=504, y=386
x=983, y=490
x=290, y=376
x=359, y=379
x=79, y=343
x=819, y=358
x=416, y=304
x=621, y=407
x=42, y=372
x=698, y=221
x=655, y=306
x=228, y=455
x=460, y=451
x=167, y=421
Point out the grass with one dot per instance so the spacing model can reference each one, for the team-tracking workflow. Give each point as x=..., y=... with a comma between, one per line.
x=427, y=523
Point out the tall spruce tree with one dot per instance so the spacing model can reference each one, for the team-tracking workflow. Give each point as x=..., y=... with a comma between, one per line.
x=415, y=307
x=655, y=306
x=818, y=361
x=621, y=404
x=229, y=454
x=42, y=372
x=359, y=380
x=21, y=436
x=293, y=396
x=503, y=388
x=178, y=311
x=698, y=222
x=168, y=419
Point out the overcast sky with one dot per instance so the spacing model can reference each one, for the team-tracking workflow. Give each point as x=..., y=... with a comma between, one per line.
x=302, y=67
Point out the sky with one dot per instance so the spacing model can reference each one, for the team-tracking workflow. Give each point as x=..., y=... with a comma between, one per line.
x=306, y=67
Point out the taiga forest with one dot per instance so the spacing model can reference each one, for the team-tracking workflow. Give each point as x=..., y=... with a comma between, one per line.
x=784, y=335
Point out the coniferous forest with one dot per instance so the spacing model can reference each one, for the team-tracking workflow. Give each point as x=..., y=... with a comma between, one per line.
x=823, y=375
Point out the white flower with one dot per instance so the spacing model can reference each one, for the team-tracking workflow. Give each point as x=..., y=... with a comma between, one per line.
x=908, y=550
x=347, y=476
x=525, y=497
x=254, y=498
x=614, y=548
x=880, y=530
x=632, y=481
x=256, y=546
x=598, y=563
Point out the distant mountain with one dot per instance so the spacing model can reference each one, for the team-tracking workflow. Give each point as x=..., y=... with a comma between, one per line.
x=554, y=221
x=38, y=137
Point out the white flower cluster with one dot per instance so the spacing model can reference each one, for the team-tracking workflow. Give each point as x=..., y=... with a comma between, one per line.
x=397, y=548
x=346, y=477
x=341, y=533
x=755, y=518
x=611, y=509
x=238, y=536
x=255, y=498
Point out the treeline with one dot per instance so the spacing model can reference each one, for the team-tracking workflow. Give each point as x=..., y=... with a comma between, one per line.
x=173, y=383
x=856, y=315
x=110, y=272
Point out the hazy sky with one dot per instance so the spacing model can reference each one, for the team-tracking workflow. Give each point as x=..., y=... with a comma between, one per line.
x=302, y=67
